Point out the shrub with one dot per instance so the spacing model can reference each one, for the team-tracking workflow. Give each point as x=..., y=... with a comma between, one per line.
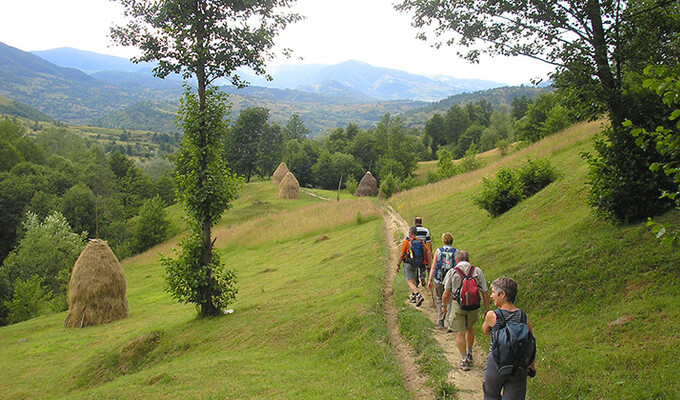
x=501, y=194
x=469, y=162
x=351, y=184
x=388, y=186
x=535, y=175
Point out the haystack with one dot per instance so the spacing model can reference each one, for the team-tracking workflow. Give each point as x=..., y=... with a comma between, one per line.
x=96, y=291
x=280, y=173
x=289, y=187
x=368, y=186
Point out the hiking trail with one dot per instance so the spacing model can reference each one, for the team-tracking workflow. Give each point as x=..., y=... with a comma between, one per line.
x=467, y=383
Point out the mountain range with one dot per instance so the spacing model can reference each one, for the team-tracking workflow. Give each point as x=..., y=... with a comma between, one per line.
x=82, y=87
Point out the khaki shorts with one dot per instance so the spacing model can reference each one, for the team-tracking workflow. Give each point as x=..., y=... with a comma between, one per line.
x=461, y=320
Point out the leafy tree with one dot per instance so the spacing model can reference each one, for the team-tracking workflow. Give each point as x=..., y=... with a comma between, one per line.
x=519, y=106
x=152, y=225
x=472, y=134
x=300, y=156
x=457, y=120
x=28, y=300
x=592, y=45
x=206, y=39
x=445, y=167
x=246, y=134
x=295, y=128
x=79, y=208
x=364, y=147
x=330, y=167
x=48, y=250
x=270, y=150
x=435, y=133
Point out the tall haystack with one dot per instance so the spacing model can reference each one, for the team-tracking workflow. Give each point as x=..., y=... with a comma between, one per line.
x=368, y=186
x=280, y=173
x=96, y=291
x=289, y=187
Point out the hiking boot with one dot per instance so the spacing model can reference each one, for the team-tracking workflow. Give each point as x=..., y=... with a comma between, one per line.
x=440, y=324
x=419, y=299
x=469, y=359
x=413, y=298
x=465, y=364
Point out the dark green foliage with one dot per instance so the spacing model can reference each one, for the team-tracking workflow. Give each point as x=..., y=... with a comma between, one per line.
x=152, y=225
x=388, y=186
x=330, y=167
x=544, y=117
x=300, y=155
x=79, y=208
x=501, y=194
x=534, y=175
x=245, y=144
x=622, y=187
x=187, y=277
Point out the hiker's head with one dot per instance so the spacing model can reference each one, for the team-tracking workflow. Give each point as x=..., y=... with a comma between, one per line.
x=462, y=255
x=412, y=231
x=447, y=239
x=505, y=285
x=417, y=221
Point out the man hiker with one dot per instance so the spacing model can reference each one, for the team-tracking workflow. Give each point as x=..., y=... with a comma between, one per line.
x=443, y=262
x=414, y=253
x=512, y=379
x=423, y=234
x=465, y=282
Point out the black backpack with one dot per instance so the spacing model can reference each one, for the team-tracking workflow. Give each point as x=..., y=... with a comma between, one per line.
x=514, y=346
x=416, y=252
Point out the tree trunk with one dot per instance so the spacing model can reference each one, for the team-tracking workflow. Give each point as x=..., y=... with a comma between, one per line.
x=611, y=87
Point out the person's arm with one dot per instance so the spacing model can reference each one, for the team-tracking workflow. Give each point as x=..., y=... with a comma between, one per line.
x=485, y=295
x=533, y=363
x=489, y=321
x=402, y=256
x=446, y=297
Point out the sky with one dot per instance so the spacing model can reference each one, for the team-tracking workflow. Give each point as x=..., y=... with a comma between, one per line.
x=333, y=31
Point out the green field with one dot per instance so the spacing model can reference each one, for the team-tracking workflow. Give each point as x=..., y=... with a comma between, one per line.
x=307, y=320
x=604, y=300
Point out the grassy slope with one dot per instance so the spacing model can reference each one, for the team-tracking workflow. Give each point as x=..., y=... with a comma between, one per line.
x=577, y=276
x=307, y=321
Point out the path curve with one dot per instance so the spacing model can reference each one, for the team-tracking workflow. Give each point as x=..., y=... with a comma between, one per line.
x=468, y=383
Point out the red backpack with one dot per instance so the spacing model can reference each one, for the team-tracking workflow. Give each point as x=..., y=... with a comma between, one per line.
x=468, y=292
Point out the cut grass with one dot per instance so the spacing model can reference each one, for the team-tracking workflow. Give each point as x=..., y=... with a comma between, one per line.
x=307, y=321
x=577, y=276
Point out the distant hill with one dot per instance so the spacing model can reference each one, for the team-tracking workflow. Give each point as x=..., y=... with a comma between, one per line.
x=13, y=108
x=370, y=81
x=498, y=97
x=350, y=79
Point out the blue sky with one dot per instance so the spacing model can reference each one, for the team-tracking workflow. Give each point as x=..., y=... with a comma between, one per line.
x=334, y=31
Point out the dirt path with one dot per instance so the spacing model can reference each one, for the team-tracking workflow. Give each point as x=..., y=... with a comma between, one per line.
x=468, y=383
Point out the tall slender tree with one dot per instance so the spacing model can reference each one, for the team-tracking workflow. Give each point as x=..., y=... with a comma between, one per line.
x=204, y=40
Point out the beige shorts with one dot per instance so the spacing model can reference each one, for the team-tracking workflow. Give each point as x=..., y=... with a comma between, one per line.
x=461, y=320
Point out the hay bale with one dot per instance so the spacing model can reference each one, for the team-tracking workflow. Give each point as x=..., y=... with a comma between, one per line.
x=96, y=291
x=368, y=186
x=289, y=187
x=280, y=173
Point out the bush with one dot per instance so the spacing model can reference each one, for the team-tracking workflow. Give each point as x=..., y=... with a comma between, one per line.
x=469, y=162
x=388, y=186
x=351, y=184
x=535, y=175
x=28, y=301
x=501, y=194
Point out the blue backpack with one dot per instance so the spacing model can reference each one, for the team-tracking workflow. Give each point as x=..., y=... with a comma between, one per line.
x=514, y=346
x=416, y=252
x=445, y=263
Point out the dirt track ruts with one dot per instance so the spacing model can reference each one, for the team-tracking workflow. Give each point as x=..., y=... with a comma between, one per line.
x=468, y=383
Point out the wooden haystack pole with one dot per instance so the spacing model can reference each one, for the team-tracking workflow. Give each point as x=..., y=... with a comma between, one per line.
x=96, y=291
x=280, y=173
x=368, y=186
x=289, y=187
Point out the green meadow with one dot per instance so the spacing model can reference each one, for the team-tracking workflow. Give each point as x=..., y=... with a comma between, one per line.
x=307, y=321
x=603, y=299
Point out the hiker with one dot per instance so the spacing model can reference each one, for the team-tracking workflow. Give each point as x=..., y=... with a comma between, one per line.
x=443, y=261
x=423, y=234
x=465, y=282
x=414, y=253
x=514, y=384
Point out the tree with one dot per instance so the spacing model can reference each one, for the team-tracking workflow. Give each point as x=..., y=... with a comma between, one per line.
x=206, y=39
x=152, y=225
x=295, y=128
x=435, y=133
x=270, y=150
x=592, y=46
x=48, y=250
x=246, y=135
